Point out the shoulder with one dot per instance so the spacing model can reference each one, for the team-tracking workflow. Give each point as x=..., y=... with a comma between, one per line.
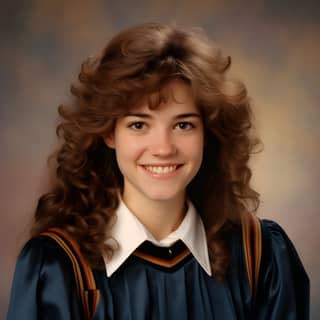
x=272, y=229
x=277, y=244
x=281, y=263
x=42, y=256
x=42, y=247
x=283, y=286
x=44, y=271
x=274, y=237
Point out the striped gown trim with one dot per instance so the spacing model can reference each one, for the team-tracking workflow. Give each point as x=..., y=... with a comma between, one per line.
x=85, y=283
x=164, y=257
x=252, y=247
x=163, y=262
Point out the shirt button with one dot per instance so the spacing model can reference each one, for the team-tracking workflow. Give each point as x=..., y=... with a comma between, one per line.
x=170, y=252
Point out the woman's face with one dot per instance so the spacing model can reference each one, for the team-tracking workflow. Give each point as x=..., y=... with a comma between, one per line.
x=159, y=151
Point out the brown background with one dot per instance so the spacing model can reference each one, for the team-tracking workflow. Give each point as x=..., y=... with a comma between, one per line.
x=275, y=48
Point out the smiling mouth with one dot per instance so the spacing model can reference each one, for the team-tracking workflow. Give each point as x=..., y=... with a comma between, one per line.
x=162, y=169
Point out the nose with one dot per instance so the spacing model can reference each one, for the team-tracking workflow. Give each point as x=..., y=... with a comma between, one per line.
x=162, y=145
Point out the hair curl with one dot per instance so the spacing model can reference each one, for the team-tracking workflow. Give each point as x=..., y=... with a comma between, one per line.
x=136, y=63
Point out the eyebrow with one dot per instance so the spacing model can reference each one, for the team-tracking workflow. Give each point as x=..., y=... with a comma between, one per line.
x=149, y=116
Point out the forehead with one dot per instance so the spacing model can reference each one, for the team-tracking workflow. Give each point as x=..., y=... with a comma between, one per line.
x=176, y=96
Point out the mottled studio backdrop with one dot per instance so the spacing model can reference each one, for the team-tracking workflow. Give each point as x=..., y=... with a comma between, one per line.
x=275, y=46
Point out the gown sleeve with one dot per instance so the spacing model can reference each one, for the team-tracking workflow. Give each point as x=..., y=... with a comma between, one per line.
x=283, y=291
x=43, y=284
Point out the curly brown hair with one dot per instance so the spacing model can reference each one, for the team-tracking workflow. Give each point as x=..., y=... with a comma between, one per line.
x=137, y=63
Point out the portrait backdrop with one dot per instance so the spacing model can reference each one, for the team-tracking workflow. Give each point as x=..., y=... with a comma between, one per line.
x=275, y=50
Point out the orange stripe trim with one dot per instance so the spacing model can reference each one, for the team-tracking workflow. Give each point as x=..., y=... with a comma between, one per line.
x=75, y=265
x=247, y=251
x=162, y=262
x=87, y=271
x=257, y=248
x=251, y=232
x=90, y=293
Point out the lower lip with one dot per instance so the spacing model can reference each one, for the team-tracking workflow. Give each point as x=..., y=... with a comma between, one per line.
x=162, y=175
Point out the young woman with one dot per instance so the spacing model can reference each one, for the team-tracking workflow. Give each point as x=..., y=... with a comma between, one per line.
x=152, y=184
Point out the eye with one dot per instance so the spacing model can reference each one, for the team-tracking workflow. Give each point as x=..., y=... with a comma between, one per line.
x=137, y=125
x=185, y=125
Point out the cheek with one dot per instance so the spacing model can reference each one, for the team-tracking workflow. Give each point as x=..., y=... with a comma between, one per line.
x=128, y=149
x=194, y=147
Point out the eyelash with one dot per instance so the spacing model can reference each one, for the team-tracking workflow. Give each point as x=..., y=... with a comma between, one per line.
x=133, y=125
x=138, y=125
x=185, y=123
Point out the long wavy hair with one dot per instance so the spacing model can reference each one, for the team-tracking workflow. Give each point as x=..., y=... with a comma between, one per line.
x=136, y=63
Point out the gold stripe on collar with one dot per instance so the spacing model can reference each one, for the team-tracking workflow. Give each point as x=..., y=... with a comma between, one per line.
x=160, y=261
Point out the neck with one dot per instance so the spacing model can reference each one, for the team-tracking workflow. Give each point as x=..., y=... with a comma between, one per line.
x=158, y=216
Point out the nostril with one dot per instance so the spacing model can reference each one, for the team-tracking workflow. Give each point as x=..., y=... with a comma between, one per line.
x=163, y=149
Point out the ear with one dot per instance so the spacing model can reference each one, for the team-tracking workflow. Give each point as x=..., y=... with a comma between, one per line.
x=109, y=140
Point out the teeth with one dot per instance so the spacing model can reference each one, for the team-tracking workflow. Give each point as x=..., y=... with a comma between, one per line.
x=161, y=170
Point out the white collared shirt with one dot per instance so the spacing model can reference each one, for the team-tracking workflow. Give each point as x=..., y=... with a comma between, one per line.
x=130, y=233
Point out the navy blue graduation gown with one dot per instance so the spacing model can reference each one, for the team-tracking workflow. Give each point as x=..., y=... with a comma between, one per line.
x=43, y=286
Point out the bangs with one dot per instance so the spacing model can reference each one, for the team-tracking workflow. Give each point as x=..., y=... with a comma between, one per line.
x=155, y=91
x=149, y=81
x=163, y=94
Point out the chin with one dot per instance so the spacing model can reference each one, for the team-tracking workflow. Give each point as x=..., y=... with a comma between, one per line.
x=162, y=196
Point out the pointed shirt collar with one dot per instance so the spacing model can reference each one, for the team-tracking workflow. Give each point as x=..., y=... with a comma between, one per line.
x=130, y=233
